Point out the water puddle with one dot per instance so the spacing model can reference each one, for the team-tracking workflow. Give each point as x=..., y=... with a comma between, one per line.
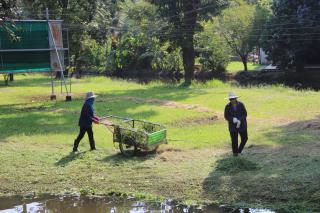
x=79, y=204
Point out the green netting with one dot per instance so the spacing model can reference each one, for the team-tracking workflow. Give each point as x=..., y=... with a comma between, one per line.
x=11, y=62
x=31, y=35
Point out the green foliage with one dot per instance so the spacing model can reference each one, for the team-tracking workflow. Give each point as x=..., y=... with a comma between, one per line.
x=132, y=52
x=92, y=55
x=237, y=66
x=238, y=26
x=291, y=40
x=166, y=58
x=235, y=26
x=119, y=36
x=7, y=10
x=141, y=16
x=139, y=46
x=214, y=52
x=87, y=191
x=179, y=13
x=183, y=18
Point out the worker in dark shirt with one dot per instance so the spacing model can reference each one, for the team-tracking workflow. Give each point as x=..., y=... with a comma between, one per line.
x=85, y=122
x=236, y=115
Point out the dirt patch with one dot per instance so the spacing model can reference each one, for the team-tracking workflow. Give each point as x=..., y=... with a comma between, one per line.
x=173, y=155
x=64, y=111
x=277, y=121
x=169, y=104
x=311, y=125
x=204, y=120
x=169, y=149
x=313, y=148
x=42, y=108
x=23, y=108
x=45, y=98
x=60, y=110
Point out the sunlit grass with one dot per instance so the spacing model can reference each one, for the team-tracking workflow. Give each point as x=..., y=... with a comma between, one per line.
x=236, y=66
x=37, y=136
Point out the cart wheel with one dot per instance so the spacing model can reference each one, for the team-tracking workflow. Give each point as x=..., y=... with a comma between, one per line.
x=154, y=150
x=128, y=147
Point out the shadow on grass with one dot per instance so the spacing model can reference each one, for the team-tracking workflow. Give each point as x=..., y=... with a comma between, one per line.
x=25, y=119
x=69, y=158
x=119, y=160
x=233, y=165
x=163, y=92
x=284, y=176
x=29, y=81
x=61, y=118
x=265, y=181
x=296, y=132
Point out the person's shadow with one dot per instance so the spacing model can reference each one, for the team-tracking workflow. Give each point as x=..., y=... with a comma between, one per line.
x=69, y=158
x=118, y=159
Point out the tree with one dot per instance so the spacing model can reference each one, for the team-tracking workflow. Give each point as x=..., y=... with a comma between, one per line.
x=292, y=36
x=214, y=52
x=132, y=48
x=239, y=26
x=183, y=18
x=7, y=10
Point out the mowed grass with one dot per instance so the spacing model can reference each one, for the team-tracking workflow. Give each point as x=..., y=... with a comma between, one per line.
x=279, y=168
x=237, y=66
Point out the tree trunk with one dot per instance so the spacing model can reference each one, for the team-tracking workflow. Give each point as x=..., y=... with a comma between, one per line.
x=188, y=60
x=189, y=23
x=244, y=59
x=299, y=60
x=11, y=77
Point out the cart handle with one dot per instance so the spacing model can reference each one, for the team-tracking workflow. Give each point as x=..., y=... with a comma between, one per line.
x=130, y=119
x=114, y=116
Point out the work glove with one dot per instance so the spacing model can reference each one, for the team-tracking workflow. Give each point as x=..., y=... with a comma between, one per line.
x=235, y=120
x=238, y=124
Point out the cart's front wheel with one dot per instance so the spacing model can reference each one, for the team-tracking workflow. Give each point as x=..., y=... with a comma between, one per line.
x=154, y=149
x=128, y=146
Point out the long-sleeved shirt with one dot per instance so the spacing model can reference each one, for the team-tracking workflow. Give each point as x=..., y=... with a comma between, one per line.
x=238, y=112
x=86, y=115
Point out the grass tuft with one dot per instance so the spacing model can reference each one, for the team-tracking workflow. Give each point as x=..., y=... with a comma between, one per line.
x=236, y=164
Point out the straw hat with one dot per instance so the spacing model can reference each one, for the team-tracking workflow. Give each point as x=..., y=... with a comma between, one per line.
x=90, y=95
x=232, y=95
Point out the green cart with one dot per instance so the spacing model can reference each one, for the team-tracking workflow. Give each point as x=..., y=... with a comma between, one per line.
x=134, y=135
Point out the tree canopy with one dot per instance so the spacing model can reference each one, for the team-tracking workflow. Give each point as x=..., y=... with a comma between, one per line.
x=183, y=17
x=291, y=38
x=239, y=25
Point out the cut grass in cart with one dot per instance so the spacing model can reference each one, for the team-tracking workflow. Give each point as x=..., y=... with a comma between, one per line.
x=135, y=135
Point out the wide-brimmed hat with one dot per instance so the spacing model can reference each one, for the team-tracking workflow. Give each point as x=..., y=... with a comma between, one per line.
x=232, y=95
x=90, y=95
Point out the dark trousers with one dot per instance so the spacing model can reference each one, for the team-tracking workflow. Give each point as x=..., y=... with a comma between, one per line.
x=80, y=136
x=234, y=137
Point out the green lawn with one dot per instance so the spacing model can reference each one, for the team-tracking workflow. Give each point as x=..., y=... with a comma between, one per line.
x=279, y=169
x=236, y=66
